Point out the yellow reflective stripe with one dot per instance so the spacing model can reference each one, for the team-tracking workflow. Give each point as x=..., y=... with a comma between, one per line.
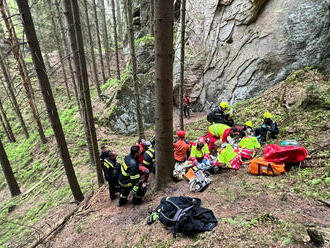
x=124, y=165
x=135, y=176
x=149, y=153
x=146, y=162
x=125, y=185
x=124, y=172
x=107, y=164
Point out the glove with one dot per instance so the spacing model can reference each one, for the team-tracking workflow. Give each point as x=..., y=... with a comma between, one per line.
x=204, y=161
x=152, y=218
x=264, y=126
x=135, y=189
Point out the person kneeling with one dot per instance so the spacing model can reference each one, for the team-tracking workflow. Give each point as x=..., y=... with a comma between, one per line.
x=200, y=152
x=130, y=179
x=227, y=157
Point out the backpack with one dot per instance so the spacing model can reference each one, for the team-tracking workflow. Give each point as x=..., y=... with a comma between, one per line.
x=185, y=215
x=259, y=166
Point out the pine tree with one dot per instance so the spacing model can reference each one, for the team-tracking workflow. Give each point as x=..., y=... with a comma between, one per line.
x=8, y=172
x=48, y=97
x=134, y=68
x=113, y=7
x=73, y=19
x=183, y=30
x=164, y=92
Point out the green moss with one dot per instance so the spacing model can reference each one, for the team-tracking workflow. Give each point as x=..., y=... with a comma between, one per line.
x=145, y=40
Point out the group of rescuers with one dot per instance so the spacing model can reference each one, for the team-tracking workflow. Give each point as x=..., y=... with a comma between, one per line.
x=132, y=175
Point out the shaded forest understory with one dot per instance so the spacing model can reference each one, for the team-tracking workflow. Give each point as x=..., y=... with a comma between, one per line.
x=95, y=77
x=257, y=211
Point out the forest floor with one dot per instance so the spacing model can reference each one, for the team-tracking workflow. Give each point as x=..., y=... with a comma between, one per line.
x=252, y=211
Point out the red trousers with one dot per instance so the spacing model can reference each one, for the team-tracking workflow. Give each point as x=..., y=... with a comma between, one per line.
x=144, y=172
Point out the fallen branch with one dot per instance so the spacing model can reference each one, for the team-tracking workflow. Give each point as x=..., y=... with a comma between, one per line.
x=324, y=202
x=62, y=222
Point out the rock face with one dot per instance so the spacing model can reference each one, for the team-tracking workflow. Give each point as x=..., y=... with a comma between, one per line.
x=122, y=118
x=239, y=48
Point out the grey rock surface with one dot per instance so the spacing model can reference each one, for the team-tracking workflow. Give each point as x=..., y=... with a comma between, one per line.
x=239, y=48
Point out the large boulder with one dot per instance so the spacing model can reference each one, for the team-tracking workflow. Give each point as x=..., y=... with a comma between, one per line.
x=239, y=48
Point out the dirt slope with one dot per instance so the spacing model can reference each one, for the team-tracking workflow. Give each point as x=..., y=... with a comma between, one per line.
x=252, y=211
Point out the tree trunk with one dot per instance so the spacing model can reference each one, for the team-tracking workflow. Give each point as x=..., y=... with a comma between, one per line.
x=8, y=172
x=49, y=98
x=5, y=128
x=183, y=31
x=75, y=55
x=119, y=21
x=16, y=53
x=152, y=17
x=164, y=91
x=105, y=37
x=13, y=97
x=20, y=54
x=91, y=45
x=99, y=40
x=134, y=68
x=113, y=7
x=8, y=129
x=67, y=51
x=59, y=47
x=80, y=61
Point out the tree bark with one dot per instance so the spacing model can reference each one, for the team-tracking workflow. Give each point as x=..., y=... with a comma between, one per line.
x=8, y=172
x=134, y=69
x=13, y=97
x=183, y=31
x=113, y=7
x=72, y=6
x=91, y=45
x=16, y=53
x=164, y=93
x=4, y=128
x=105, y=37
x=119, y=21
x=59, y=47
x=98, y=40
x=20, y=54
x=67, y=51
x=49, y=98
x=7, y=125
x=76, y=60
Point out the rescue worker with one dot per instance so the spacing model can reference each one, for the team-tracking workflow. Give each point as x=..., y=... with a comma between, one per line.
x=181, y=147
x=222, y=114
x=186, y=106
x=149, y=159
x=227, y=157
x=130, y=179
x=111, y=170
x=200, y=152
x=247, y=130
x=105, y=153
x=220, y=131
x=267, y=126
x=144, y=171
x=249, y=144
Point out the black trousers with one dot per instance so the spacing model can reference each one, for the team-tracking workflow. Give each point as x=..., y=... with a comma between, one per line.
x=263, y=133
x=113, y=187
x=186, y=110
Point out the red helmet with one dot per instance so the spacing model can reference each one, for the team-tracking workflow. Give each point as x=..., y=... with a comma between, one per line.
x=181, y=133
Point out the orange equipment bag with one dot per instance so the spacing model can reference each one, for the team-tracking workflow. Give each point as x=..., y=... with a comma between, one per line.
x=259, y=166
x=190, y=174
